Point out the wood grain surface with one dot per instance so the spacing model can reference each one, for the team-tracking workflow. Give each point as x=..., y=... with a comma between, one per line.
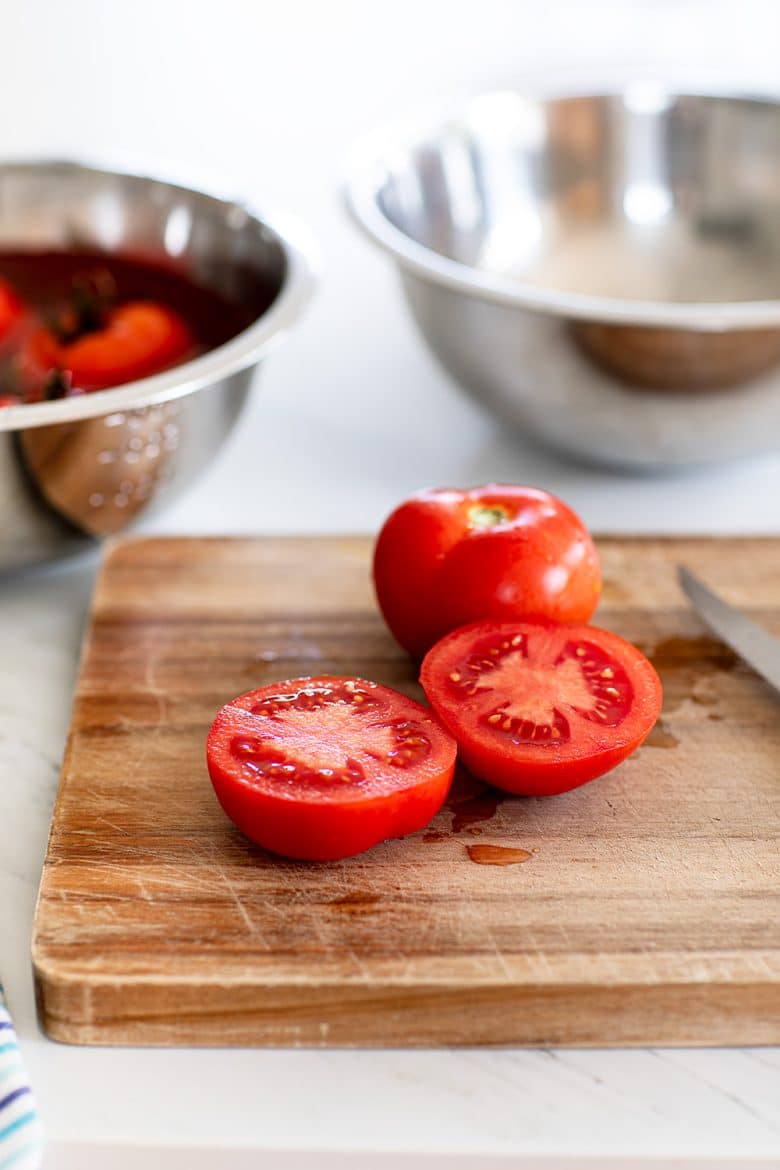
x=641, y=909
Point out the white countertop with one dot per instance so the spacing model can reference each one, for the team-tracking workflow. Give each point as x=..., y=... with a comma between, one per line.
x=349, y=417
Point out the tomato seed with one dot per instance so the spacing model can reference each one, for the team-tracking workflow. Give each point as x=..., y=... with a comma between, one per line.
x=243, y=747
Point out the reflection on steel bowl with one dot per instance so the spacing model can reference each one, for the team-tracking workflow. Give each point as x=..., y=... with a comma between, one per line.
x=75, y=469
x=603, y=271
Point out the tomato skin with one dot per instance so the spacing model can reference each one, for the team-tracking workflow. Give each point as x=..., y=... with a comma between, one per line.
x=309, y=824
x=550, y=767
x=446, y=557
x=12, y=310
x=139, y=338
x=542, y=779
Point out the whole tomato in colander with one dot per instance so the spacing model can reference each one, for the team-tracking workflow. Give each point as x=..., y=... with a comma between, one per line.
x=133, y=340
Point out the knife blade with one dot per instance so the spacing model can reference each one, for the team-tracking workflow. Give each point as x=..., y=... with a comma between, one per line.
x=755, y=645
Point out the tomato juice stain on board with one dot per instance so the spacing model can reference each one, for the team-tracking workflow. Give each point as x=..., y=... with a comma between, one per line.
x=705, y=653
x=475, y=809
x=690, y=669
x=434, y=835
x=661, y=737
x=497, y=854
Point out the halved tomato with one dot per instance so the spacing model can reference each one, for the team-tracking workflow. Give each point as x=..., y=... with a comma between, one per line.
x=137, y=339
x=539, y=708
x=322, y=768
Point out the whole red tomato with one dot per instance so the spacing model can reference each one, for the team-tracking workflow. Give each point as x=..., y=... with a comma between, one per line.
x=136, y=339
x=447, y=557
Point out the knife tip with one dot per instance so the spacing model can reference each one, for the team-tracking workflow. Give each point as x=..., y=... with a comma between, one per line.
x=684, y=575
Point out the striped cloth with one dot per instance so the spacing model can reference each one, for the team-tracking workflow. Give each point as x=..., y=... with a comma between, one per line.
x=21, y=1141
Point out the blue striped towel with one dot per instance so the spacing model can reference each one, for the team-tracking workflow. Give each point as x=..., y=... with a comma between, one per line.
x=21, y=1140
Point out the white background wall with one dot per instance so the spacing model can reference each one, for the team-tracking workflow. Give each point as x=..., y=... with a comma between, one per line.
x=266, y=98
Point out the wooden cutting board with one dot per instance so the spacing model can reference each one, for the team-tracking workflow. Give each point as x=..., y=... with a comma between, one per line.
x=640, y=909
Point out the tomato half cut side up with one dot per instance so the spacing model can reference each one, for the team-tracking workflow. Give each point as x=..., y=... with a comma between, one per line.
x=539, y=709
x=322, y=768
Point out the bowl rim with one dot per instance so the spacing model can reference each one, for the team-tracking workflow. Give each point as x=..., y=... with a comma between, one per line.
x=369, y=166
x=302, y=265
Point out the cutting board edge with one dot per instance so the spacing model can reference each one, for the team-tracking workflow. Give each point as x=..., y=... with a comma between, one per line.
x=391, y=1015
x=639, y=971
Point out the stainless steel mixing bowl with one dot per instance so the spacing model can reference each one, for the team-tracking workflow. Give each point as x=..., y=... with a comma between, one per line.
x=77, y=469
x=603, y=271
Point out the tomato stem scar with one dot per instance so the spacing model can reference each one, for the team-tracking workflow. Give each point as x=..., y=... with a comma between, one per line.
x=486, y=515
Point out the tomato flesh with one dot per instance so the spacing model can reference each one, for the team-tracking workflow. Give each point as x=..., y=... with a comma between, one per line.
x=323, y=768
x=137, y=339
x=446, y=557
x=540, y=708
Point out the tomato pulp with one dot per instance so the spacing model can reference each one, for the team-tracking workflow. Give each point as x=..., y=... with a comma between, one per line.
x=446, y=557
x=539, y=709
x=323, y=768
